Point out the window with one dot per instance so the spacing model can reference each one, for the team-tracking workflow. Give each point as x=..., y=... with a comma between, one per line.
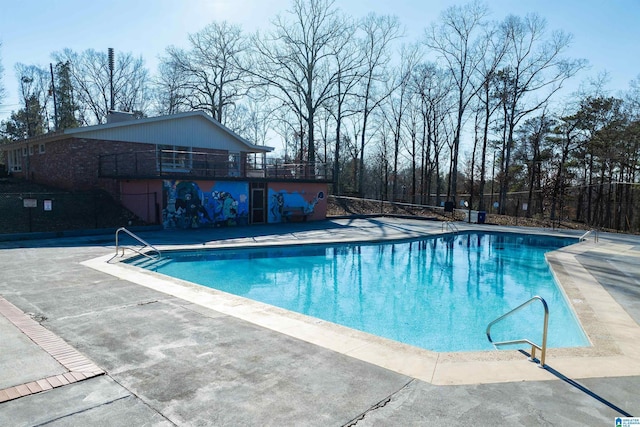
x=174, y=157
x=31, y=150
x=234, y=164
x=15, y=161
x=41, y=148
x=24, y=151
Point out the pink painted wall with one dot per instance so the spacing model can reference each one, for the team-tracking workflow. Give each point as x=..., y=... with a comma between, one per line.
x=309, y=199
x=143, y=198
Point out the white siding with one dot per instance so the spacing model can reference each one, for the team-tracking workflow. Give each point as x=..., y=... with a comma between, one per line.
x=186, y=131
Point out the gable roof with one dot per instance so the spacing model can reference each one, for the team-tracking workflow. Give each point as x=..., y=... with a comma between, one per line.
x=191, y=129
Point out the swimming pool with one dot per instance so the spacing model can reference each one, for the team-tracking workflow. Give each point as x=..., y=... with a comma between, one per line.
x=436, y=293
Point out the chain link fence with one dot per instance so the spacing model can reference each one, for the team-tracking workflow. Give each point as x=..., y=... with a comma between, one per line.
x=59, y=211
x=612, y=206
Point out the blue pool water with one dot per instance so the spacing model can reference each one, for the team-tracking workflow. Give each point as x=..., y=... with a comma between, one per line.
x=436, y=293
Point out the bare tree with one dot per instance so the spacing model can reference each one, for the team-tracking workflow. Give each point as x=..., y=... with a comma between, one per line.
x=381, y=166
x=209, y=76
x=379, y=33
x=252, y=119
x=397, y=106
x=291, y=128
x=348, y=62
x=296, y=60
x=495, y=49
x=170, y=88
x=416, y=143
x=91, y=80
x=434, y=86
x=456, y=41
x=535, y=70
x=533, y=155
x=566, y=140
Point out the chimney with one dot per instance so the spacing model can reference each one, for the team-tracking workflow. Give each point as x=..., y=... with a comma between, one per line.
x=120, y=116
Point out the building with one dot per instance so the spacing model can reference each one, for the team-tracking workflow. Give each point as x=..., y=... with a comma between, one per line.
x=184, y=171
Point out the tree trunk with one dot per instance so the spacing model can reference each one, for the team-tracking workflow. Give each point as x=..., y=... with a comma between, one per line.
x=336, y=160
x=483, y=160
x=362, y=142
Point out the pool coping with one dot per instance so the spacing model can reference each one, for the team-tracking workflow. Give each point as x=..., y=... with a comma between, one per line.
x=614, y=334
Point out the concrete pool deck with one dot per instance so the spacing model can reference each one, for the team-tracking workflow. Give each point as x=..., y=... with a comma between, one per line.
x=177, y=354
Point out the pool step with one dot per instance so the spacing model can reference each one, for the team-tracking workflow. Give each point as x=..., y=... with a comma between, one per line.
x=151, y=264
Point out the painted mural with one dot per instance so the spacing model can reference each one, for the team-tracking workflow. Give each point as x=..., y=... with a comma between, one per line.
x=188, y=204
x=287, y=203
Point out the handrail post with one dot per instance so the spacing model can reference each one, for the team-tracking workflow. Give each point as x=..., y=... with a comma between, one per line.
x=450, y=226
x=542, y=348
x=139, y=239
x=592, y=231
x=543, y=351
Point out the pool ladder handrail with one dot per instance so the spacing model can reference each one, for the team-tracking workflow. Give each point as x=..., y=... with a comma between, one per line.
x=585, y=235
x=534, y=346
x=450, y=226
x=135, y=249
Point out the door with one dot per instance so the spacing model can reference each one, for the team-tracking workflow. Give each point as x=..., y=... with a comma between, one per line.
x=258, y=208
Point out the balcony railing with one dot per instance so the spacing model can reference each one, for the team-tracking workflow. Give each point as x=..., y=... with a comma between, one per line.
x=198, y=165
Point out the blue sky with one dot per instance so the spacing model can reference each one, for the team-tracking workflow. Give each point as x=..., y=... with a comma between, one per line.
x=606, y=33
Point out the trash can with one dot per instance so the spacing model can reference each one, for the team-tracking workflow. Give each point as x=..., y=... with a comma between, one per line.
x=448, y=206
x=482, y=216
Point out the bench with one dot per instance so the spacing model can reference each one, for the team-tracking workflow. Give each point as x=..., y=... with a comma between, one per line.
x=294, y=213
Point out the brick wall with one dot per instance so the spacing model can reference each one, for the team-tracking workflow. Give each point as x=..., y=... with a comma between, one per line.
x=73, y=163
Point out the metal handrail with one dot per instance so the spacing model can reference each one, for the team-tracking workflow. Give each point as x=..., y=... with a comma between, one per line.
x=450, y=226
x=592, y=231
x=534, y=346
x=201, y=164
x=139, y=239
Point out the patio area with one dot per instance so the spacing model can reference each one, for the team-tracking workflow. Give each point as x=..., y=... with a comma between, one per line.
x=177, y=354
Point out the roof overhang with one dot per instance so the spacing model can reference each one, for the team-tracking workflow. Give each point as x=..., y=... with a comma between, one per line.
x=103, y=131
